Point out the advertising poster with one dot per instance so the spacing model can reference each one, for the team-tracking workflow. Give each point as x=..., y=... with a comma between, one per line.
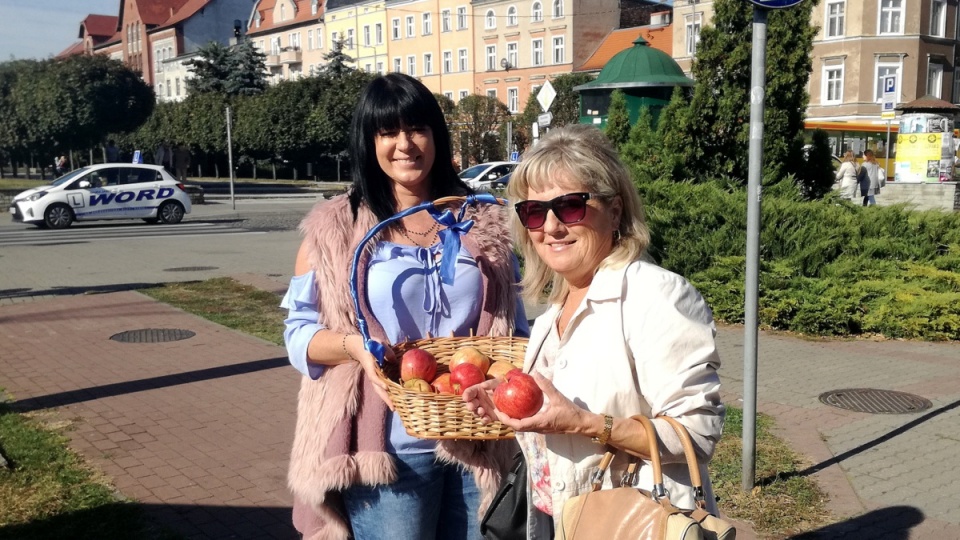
x=924, y=149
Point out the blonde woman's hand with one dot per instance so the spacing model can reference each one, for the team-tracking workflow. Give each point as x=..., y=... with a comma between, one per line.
x=479, y=400
x=558, y=415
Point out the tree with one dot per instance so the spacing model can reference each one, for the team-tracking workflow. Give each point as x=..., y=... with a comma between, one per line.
x=618, y=119
x=566, y=106
x=818, y=172
x=337, y=62
x=233, y=71
x=480, y=118
x=673, y=134
x=719, y=126
x=641, y=153
x=329, y=121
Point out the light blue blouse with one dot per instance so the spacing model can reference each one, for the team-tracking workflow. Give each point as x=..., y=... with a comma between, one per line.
x=408, y=299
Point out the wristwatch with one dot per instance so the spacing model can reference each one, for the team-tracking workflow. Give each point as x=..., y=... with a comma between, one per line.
x=607, y=428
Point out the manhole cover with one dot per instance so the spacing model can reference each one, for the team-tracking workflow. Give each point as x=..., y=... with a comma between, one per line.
x=152, y=335
x=871, y=400
x=191, y=268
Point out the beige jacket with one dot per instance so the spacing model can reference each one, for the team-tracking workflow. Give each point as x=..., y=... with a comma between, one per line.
x=642, y=342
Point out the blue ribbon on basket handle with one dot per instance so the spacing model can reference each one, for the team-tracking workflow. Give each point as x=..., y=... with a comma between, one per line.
x=450, y=239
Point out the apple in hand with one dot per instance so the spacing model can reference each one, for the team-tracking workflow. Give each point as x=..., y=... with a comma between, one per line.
x=499, y=369
x=470, y=355
x=419, y=385
x=442, y=384
x=417, y=364
x=464, y=376
x=518, y=396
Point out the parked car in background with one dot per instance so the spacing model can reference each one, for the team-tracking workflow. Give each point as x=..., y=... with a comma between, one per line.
x=480, y=177
x=501, y=183
x=106, y=191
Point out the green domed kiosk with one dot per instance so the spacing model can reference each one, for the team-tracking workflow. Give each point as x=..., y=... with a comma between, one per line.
x=646, y=75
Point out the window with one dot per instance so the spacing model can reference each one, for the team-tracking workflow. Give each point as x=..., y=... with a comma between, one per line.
x=891, y=17
x=448, y=95
x=158, y=67
x=492, y=92
x=938, y=18
x=177, y=82
x=512, y=54
x=275, y=45
x=380, y=68
x=378, y=33
x=427, y=23
x=832, y=87
x=512, y=19
x=464, y=93
x=461, y=18
x=883, y=70
x=319, y=38
x=558, y=56
x=956, y=85
x=160, y=89
x=309, y=40
x=445, y=20
x=396, y=64
x=536, y=12
x=283, y=12
x=410, y=32
x=256, y=20
x=447, y=61
x=536, y=52
x=366, y=35
x=462, y=60
x=314, y=7
x=294, y=40
x=349, y=38
x=557, y=9
x=935, y=79
x=692, y=28
x=169, y=88
x=428, y=64
x=490, y=20
x=836, y=12
x=368, y=68
x=513, y=100
x=491, y=57
x=412, y=65
x=395, y=29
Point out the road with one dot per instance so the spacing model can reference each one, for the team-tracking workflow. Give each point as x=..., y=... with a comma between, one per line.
x=214, y=240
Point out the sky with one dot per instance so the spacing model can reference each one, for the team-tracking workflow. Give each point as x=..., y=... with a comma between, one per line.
x=42, y=28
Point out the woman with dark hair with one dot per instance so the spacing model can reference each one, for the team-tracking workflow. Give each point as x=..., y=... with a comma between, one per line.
x=353, y=468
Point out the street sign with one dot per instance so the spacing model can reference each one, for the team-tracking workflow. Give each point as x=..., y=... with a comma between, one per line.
x=775, y=4
x=546, y=95
x=514, y=156
x=137, y=157
x=544, y=119
x=889, y=101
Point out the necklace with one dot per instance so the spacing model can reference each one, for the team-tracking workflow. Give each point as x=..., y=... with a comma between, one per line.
x=403, y=231
x=428, y=232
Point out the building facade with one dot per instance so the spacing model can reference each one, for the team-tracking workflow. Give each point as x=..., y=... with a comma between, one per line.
x=290, y=35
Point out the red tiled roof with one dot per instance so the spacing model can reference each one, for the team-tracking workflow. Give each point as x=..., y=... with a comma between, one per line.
x=73, y=50
x=659, y=37
x=266, y=7
x=102, y=26
x=155, y=12
x=185, y=12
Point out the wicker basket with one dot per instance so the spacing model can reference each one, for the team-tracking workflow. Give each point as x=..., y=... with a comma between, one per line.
x=444, y=416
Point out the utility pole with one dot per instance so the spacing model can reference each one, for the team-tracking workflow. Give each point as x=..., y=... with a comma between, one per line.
x=233, y=201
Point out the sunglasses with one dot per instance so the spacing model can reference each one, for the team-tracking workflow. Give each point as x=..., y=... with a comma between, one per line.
x=569, y=208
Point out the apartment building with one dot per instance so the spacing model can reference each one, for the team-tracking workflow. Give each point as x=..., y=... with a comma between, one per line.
x=433, y=41
x=290, y=34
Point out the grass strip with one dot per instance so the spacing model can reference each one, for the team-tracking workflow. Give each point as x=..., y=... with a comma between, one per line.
x=784, y=505
x=50, y=493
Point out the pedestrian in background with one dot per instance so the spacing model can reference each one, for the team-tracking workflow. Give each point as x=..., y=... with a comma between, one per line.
x=60, y=165
x=354, y=470
x=847, y=175
x=111, y=152
x=871, y=177
x=181, y=162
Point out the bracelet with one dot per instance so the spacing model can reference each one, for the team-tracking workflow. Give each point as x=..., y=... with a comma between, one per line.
x=607, y=428
x=343, y=345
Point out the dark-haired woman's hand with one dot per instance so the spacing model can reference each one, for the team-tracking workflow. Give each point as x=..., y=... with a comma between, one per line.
x=369, y=364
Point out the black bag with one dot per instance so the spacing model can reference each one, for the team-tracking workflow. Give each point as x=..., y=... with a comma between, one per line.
x=506, y=519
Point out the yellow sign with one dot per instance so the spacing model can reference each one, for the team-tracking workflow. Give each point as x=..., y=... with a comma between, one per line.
x=888, y=115
x=918, y=157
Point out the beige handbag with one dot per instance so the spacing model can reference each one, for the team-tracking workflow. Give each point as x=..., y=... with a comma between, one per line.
x=627, y=513
x=713, y=527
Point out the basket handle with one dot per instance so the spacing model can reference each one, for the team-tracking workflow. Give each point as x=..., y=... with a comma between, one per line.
x=449, y=237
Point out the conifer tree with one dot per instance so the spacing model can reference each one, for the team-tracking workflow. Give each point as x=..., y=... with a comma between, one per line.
x=641, y=153
x=618, y=119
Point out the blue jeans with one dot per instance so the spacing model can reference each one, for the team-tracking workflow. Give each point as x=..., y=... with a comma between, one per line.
x=428, y=501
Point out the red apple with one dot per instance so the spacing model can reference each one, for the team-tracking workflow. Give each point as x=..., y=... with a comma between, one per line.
x=499, y=369
x=518, y=396
x=419, y=385
x=470, y=355
x=417, y=364
x=464, y=376
x=442, y=384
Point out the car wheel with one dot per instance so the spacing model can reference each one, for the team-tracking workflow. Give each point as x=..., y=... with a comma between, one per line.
x=170, y=212
x=58, y=216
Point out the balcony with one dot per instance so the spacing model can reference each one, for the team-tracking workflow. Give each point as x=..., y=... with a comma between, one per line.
x=272, y=60
x=290, y=55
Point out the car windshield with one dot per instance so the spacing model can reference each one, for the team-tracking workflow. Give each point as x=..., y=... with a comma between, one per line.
x=69, y=176
x=473, y=172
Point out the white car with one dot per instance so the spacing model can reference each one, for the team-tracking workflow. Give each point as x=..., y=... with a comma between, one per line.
x=107, y=191
x=480, y=177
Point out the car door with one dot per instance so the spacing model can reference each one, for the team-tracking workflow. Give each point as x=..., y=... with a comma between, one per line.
x=139, y=191
x=89, y=195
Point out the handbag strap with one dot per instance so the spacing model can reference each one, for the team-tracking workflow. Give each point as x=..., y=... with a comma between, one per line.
x=654, y=450
x=691, y=455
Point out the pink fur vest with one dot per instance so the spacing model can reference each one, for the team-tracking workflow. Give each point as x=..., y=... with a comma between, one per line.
x=340, y=433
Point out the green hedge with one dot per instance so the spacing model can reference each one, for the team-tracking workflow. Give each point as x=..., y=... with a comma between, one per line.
x=827, y=267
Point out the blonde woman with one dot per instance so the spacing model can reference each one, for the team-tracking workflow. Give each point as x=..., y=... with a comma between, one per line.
x=847, y=175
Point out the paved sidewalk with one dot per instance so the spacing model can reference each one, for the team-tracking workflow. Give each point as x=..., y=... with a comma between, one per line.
x=199, y=430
